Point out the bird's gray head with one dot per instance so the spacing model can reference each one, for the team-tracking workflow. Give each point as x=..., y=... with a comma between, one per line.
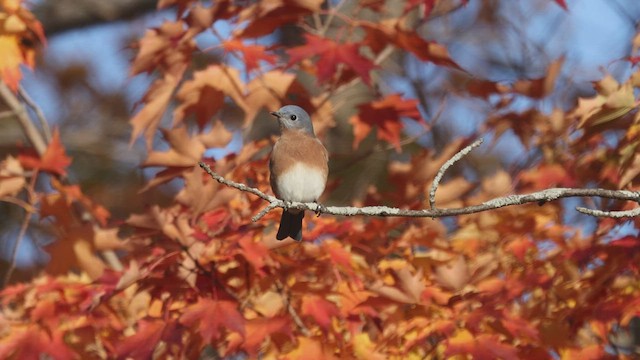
x=294, y=117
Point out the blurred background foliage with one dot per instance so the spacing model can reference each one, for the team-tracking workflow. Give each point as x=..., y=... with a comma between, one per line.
x=82, y=84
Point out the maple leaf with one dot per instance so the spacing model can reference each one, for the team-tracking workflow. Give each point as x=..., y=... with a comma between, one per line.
x=562, y=4
x=156, y=100
x=251, y=54
x=481, y=347
x=546, y=176
x=54, y=159
x=19, y=32
x=391, y=31
x=10, y=61
x=519, y=247
x=73, y=193
x=319, y=309
x=267, y=91
x=264, y=17
x=12, y=178
x=311, y=349
x=184, y=150
x=331, y=54
x=204, y=95
x=385, y=115
x=542, y=87
x=167, y=48
x=256, y=254
x=428, y=6
x=211, y=316
x=365, y=349
x=591, y=352
x=34, y=343
x=258, y=330
x=142, y=344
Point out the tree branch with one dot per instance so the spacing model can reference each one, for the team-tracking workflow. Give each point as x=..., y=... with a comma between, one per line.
x=538, y=197
x=436, y=181
x=58, y=16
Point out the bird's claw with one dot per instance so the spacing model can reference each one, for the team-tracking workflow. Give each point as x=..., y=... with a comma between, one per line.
x=320, y=209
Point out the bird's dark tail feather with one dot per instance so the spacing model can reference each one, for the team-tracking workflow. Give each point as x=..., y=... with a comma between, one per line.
x=291, y=226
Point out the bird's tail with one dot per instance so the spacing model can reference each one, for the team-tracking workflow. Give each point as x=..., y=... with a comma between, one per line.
x=290, y=225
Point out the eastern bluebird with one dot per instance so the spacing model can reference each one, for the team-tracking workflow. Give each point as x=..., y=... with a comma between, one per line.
x=299, y=166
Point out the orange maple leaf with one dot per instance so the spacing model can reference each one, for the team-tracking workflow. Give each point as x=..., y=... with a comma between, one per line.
x=257, y=330
x=212, y=315
x=251, y=54
x=54, y=159
x=385, y=115
x=156, y=100
x=481, y=347
x=204, y=95
x=331, y=54
x=311, y=349
x=19, y=32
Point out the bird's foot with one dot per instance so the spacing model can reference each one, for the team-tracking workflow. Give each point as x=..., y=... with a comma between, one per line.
x=320, y=209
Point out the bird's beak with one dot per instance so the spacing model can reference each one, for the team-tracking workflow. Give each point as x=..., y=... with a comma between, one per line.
x=276, y=114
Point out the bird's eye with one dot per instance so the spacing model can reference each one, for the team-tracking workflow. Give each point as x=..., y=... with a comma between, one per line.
x=294, y=118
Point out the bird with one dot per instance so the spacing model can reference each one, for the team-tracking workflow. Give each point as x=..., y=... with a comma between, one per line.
x=298, y=167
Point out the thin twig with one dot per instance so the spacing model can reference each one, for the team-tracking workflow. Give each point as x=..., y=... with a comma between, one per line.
x=264, y=212
x=611, y=214
x=538, y=197
x=331, y=15
x=436, y=181
x=40, y=145
x=294, y=315
x=38, y=111
x=233, y=184
x=23, y=231
x=29, y=129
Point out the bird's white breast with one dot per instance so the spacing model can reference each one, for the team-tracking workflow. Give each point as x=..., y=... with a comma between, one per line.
x=301, y=183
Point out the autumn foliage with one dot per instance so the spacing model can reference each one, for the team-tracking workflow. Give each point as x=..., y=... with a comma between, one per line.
x=199, y=278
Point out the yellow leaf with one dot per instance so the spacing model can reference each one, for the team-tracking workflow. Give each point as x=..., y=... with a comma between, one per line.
x=364, y=348
x=10, y=60
x=268, y=304
x=11, y=177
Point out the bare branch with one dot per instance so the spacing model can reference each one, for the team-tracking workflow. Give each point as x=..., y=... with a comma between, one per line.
x=30, y=130
x=539, y=197
x=62, y=15
x=612, y=214
x=264, y=212
x=436, y=181
x=39, y=114
x=39, y=142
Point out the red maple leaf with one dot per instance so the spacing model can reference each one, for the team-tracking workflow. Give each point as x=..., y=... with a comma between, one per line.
x=562, y=4
x=35, y=343
x=379, y=35
x=251, y=54
x=211, y=315
x=144, y=341
x=385, y=115
x=634, y=60
x=54, y=159
x=319, y=309
x=331, y=54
